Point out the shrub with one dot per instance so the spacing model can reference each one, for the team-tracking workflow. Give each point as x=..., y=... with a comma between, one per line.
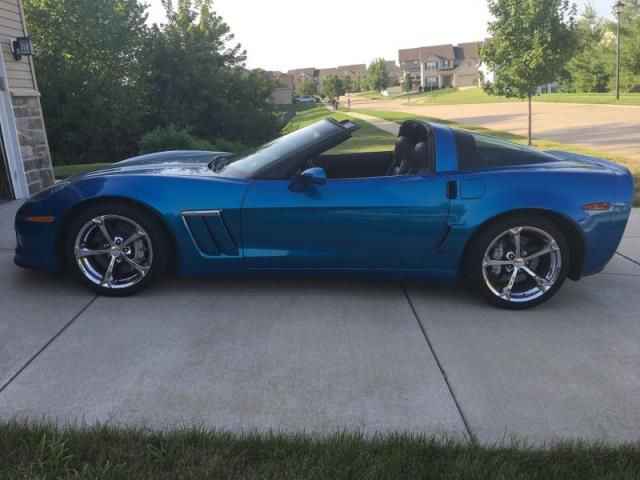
x=163, y=139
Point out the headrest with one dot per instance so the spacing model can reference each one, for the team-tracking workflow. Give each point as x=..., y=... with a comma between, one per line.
x=420, y=158
x=403, y=147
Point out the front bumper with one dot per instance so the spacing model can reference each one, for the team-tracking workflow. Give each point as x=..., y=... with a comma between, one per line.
x=35, y=242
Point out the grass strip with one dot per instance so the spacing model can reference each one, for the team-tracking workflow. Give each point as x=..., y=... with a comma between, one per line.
x=106, y=452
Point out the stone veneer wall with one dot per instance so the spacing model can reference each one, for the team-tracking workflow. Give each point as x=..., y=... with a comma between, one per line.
x=33, y=142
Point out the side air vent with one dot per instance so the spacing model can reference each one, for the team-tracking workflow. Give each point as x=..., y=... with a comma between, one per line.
x=209, y=232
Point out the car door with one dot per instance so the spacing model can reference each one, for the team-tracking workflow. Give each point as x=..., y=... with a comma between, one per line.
x=361, y=223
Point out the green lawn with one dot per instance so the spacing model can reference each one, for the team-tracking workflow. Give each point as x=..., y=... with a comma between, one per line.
x=367, y=139
x=540, y=144
x=64, y=171
x=45, y=452
x=453, y=96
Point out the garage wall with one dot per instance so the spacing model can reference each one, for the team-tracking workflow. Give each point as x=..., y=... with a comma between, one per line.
x=19, y=74
x=25, y=98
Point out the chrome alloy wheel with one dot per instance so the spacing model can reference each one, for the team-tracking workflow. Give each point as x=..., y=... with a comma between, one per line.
x=113, y=251
x=521, y=264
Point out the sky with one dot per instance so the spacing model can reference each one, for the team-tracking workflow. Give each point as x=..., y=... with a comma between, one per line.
x=287, y=34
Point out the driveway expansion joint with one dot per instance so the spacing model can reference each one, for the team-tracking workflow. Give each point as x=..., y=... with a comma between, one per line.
x=470, y=433
x=629, y=258
x=49, y=342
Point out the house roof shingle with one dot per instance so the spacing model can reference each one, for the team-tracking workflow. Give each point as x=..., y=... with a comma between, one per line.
x=448, y=51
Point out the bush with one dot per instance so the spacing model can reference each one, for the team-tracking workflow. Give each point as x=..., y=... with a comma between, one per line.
x=163, y=139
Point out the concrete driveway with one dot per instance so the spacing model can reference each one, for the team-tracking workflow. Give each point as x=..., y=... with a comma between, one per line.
x=324, y=355
x=612, y=129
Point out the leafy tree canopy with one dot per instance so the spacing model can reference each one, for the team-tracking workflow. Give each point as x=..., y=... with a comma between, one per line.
x=306, y=87
x=530, y=45
x=106, y=78
x=378, y=75
x=333, y=86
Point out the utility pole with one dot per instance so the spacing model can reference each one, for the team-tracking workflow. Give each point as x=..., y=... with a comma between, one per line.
x=619, y=7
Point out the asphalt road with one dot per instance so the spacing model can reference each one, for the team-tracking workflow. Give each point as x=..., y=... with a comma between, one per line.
x=613, y=129
x=323, y=355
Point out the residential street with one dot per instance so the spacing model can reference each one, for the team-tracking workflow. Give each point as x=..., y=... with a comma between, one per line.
x=321, y=355
x=612, y=129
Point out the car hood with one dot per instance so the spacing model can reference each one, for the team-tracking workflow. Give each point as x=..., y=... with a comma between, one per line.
x=174, y=163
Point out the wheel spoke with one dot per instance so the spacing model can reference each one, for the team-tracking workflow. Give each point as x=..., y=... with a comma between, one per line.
x=86, y=252
x=107, y=278
x=543, y=284
x=550, y=249
x=489, y=262
x=140, y=268
x=507, y=290
x=103, y=228
x=515, y=233
x=133, y=238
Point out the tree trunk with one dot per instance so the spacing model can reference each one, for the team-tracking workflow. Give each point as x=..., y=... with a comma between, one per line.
x=529, y=129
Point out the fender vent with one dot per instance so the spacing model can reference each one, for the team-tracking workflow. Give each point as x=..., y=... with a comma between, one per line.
x=209, y=232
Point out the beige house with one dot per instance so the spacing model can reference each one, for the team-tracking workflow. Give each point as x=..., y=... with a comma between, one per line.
x=394, y=72
x=283, y=92
x=441, y=66
x=25, y=161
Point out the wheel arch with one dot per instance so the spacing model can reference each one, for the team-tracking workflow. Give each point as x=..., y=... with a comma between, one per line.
x=61, y=231
x=568, y=227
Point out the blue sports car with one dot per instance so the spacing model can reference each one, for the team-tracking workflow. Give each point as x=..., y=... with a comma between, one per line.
x=446, y=204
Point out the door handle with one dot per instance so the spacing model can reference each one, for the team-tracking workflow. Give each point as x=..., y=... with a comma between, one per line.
x=452, y=189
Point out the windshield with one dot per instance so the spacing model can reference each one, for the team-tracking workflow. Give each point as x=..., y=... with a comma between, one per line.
x=247, y=164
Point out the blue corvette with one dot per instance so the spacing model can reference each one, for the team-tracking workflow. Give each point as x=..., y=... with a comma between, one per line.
x=447, y=203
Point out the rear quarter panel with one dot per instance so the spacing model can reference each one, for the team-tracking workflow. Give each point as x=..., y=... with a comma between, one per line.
x=485, y=195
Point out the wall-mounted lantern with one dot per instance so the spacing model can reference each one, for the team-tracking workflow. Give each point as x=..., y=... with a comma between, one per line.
x=22, y=47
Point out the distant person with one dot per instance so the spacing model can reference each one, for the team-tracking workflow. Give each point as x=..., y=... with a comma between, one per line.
x=349, y=103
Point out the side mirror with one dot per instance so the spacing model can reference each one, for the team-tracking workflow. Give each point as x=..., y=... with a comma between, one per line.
x=311, y=176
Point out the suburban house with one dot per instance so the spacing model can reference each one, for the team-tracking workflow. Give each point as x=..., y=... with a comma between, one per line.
x=302, y=74
x=318, y=76
x=394, y=71
x=323, y=73
x=353, y=71
x=25, y=161
x=283, y=92
x=441, y=66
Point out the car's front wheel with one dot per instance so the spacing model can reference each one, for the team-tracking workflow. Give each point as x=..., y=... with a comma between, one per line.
x=116, y=249
x=518, y=262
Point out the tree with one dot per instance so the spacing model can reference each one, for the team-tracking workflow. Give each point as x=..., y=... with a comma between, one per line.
x=530, y=45
x=347, y=83
x=378, y=75
x=407, y=83
x=630, y=40
x=93, y=92
x=306, y=87
x=592, y=67
x=198, y=80
x=332, y=87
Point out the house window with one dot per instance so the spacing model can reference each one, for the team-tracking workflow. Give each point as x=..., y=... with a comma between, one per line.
x=432, y=81
x=432, y=65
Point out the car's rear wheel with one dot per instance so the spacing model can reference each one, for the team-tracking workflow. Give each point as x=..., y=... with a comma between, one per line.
x=518, y=262
x=116, y=249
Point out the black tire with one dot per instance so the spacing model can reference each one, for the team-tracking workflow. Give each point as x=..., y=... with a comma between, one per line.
x=116, y=214
x=485, y=280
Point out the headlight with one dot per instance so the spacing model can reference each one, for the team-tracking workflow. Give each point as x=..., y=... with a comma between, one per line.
x=50, y=191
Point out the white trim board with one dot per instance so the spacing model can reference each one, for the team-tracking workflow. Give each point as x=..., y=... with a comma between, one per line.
x=17, y=175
